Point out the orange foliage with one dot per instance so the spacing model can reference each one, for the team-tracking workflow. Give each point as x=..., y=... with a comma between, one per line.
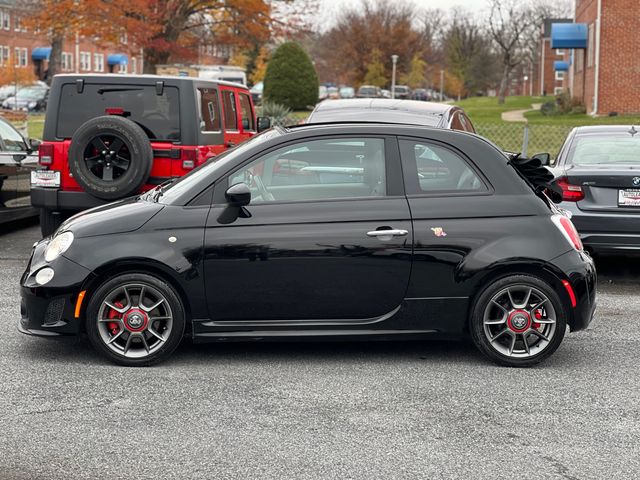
x=10, y=74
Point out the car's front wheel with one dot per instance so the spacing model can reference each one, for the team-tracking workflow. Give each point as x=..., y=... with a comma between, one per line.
x=518, y=321
x=135, y=319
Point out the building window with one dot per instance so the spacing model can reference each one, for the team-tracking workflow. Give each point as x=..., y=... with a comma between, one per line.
x=21, y=57
x=559, y=76
x=98, y=62
x=85, y=61
x=122, y=68
x=590, y=47
x=4, y=55
x=5, y=19
x=134, y=65
x=67, y=61
x=560, y=52
x=558, y=90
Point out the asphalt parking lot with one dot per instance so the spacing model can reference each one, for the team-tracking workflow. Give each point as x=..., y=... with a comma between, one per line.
x=332, y=410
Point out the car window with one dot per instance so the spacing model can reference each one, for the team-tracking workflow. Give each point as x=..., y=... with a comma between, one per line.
x=158, y=115
x=248, y=122
x=209, y=110
x=317, y=170
x=12, y=140
x=466, y=123
x=230, y=116
x=612, y=148
x=431, y=168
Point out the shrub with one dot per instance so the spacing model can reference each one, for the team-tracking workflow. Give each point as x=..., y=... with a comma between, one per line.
x=548, y=108
x=291, y=78
x=279, y=114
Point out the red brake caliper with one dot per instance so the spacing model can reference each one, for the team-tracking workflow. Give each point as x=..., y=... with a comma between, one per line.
x=538, y=316
x=114, y=327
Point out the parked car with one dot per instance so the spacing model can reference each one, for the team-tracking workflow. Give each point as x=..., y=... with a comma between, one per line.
x=32, y=99
x=256, y=93
x=392, y=111
x=365, y=231
x=7, y=91
x=347, y=92
x=420, y=94
x=368, y=91
x=402, y=92
x=323, y=93
x=18, y=159
x=107, y=137
x=385, y=93
x=333, y=93
x=598, y=170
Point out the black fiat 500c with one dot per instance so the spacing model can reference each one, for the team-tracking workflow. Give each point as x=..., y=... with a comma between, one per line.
x=359, y=231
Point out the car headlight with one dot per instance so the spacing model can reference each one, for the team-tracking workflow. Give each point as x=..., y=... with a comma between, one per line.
x=58, y=246
x=32, y=104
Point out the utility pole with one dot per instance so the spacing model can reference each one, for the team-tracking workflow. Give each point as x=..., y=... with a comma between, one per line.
x=394, y=59
x=441, y=85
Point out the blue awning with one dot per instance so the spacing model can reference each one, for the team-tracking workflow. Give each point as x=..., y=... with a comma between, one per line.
x=560, y=66
x=117, y=59
x=41, y=53
x=569, y=35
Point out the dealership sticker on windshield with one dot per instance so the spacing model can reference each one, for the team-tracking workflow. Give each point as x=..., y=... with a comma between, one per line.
x=629, y=198
x=45, y=178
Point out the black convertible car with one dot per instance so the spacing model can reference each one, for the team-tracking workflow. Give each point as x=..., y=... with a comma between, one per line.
x=350, y=231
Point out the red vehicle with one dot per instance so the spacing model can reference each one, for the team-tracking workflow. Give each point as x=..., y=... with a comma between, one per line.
x=107, y=137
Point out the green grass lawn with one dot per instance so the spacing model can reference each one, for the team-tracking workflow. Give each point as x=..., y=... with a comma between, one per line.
x=36, y=124
x=576, y=120
x=487, y=109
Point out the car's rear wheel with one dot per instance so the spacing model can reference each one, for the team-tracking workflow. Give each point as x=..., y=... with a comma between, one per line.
x=518, y=321
x=135, y=319
x=110, y=157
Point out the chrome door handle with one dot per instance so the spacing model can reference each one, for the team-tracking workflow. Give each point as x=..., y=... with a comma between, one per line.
x=387, y=233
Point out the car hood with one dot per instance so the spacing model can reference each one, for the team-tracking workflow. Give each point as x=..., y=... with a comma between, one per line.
x=119, y=217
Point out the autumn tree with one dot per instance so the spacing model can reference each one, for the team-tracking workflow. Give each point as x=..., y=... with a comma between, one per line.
x=12, y=75
x=416, y=76
x=343, y=53
x=375, y=71
x=259, y=67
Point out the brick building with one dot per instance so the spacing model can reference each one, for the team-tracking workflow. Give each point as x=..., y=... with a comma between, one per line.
x=29, y=49
x=606, y=65
x=547, y=80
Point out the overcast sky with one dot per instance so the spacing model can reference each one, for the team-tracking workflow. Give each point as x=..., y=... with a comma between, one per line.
x=330, y=9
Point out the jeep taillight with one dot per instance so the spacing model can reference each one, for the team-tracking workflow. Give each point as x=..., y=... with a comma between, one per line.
x=570, y=192
x=45, y=154
x=568, y=231
x=189, y=157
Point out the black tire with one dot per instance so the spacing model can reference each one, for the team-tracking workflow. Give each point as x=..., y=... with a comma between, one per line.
x=483, y=301
x=50, y=221
x=137, y=152
x=174, y=336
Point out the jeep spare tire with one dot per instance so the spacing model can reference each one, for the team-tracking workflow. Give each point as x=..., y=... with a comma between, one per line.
x=110, y=157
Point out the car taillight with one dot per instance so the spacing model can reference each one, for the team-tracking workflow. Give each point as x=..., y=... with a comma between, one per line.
x=568, y=230
x=570, y=192
x=45, y=154
x=189, y=157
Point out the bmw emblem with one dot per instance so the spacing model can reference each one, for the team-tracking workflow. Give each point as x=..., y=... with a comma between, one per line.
x=636, y=181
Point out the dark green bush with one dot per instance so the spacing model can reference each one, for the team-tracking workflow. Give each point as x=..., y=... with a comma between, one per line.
x=291, y=78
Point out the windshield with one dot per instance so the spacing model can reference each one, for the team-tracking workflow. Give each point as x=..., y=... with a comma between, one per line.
x=210, y=168
x=605, y=149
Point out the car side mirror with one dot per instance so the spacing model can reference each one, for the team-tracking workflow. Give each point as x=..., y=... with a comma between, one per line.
x=238, y=195
x=545, y=158
x=264, y=123
x=33, y=144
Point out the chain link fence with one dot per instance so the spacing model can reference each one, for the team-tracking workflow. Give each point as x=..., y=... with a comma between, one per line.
x=525, y=138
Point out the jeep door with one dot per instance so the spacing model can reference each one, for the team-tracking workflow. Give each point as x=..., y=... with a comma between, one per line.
x=231, y=116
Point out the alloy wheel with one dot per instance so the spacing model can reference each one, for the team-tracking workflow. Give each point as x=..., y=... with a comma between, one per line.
x=134, y=320
x=519, y=321
x=107, y=157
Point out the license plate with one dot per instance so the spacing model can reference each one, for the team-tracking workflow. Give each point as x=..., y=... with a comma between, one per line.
x=629, y=198
x=45, y=178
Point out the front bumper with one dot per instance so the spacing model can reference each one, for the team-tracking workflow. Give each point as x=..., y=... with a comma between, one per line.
x=580, y=271
x=49, y=310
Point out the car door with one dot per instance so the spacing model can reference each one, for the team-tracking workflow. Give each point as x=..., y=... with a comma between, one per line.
x=232, y=134
x=247, y=117
x=327, y=235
